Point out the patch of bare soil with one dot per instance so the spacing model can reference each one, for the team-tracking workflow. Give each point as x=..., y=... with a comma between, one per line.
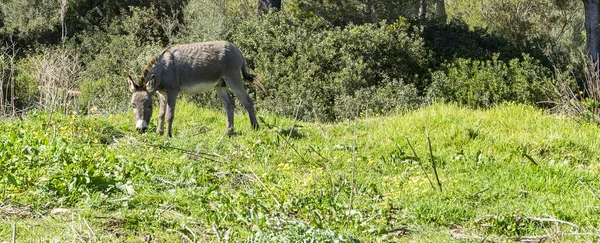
x=10, y=211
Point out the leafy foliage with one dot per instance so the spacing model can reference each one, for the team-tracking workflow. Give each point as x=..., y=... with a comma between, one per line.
x=344, y=12
x=315, y=52
x=204, y=20
x=328, y=67
x=553, y=26
x=455, y=40
x=486, y=83
x=51, y=165
x=129, y=44
x=30, y=19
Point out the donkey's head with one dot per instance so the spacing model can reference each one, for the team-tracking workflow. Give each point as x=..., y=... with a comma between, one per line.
x=141, y=100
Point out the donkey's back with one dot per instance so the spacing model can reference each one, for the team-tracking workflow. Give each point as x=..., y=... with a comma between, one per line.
x=192, y=68
x=198, y=67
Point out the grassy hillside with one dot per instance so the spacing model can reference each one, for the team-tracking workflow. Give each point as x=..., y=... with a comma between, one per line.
x=506, y=172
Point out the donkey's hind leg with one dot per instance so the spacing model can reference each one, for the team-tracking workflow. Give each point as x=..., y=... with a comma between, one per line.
x=234, y=82
x=229, y=107
x=170, y=112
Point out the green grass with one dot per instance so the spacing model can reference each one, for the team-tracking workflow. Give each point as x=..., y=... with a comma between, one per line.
x=501, y=170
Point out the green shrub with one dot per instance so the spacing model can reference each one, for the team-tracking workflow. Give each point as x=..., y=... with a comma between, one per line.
x=457, y=40
x=328, y=67
x=30, y=20
x=204, y=20
x=125, y=50
x=343, y=12
x=486, y=83
x=38, y=157
x=391, y=96
x=26, y=82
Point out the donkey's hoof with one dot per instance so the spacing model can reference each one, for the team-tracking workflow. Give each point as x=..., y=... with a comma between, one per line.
x=229, y=132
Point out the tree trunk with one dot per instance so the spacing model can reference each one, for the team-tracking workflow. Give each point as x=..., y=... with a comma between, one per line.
x=371, y=11
x=422, y=10
x=264, y=5
x=276, y=4
x=590, y=85
x=441, y=11
x=591, y=29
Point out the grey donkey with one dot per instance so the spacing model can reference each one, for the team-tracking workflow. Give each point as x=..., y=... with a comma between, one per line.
x=191, y=68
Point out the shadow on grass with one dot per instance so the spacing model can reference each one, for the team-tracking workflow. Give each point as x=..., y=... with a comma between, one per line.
x=292, y=133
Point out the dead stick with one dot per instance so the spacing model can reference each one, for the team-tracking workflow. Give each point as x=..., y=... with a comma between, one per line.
x=420, y=163
x=192, y=232
x=183, y=235
x=431, y=155
x=352, y=176
x=554, y=221
x=484, y=239
x=528, y=157
x=317, y=152
x=323, y=132
x=263, y=184
x=14, y=233
x=295, y=119
x=479, y=192
x=201, y=155
x=214, y=226
x=542, y=237
x=183, y=150
x=90, y=229
x=592, y=189
x=536, y=238
x=293, y=148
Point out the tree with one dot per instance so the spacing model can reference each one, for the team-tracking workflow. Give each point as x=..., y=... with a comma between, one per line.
x=590, y=86
x=264, y=5
x=592, y=30
x=441, y=10
x=422, y=9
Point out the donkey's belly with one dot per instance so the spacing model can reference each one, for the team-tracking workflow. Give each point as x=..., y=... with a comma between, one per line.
x=197, y=87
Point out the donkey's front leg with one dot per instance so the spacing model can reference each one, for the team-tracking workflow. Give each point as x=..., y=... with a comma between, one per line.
x=170, y=115
x=161, y=113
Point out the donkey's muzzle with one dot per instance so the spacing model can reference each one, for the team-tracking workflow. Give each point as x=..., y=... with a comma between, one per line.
x=141, y=126
x=142, y=129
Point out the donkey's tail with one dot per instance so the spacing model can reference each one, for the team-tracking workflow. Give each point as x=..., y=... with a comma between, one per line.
x=251, y=77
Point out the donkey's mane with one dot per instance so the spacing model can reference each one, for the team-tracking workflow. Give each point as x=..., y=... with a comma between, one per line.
x=149, y=65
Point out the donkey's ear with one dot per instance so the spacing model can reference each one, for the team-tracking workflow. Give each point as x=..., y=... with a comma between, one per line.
x=131, y=85
x=151, y=84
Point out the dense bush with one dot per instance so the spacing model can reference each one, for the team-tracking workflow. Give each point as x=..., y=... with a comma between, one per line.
x=486, y=83
x=329, y=68
x=328, y=61
x=204, y=20
x=376, y=100
x=30, y=19
x=124, y=50
x=456, y=40
x=344, y=12
x=34, y=22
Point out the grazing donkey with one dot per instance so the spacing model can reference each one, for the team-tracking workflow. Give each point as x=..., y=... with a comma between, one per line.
x=191, y=68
